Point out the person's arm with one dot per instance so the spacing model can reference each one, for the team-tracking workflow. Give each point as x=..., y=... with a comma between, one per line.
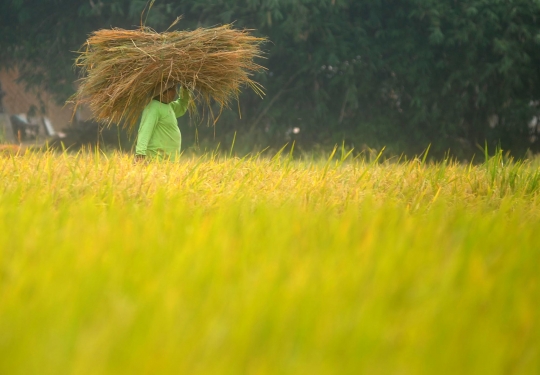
x=148, y=123
x=180, y=105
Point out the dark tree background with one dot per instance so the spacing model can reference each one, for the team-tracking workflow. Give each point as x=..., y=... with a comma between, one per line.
x=401, y=74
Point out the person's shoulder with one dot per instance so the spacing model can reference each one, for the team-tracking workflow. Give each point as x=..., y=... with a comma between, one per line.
x=152, y=106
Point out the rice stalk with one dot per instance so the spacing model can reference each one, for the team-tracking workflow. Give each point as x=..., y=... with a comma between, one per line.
x=122, y=70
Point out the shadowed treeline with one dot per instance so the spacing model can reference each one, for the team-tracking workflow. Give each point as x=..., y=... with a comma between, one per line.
x=400, y=74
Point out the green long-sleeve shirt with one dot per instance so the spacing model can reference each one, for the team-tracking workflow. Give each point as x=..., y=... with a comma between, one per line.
x=159, y=136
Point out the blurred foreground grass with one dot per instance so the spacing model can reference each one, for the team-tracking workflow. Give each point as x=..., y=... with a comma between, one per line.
x=268, y=266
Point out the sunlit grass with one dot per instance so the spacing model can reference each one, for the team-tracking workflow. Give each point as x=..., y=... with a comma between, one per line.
x=268, y=265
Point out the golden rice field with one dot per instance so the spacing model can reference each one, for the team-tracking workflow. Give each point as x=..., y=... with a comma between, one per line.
x=260, y=265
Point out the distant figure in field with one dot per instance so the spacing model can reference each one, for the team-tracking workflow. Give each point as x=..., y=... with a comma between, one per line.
x=159, y=136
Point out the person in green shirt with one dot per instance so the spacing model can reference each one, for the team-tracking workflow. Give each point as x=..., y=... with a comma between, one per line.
x=159, y=136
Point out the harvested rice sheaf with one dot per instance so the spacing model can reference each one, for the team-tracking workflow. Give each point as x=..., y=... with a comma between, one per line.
x=122, y=70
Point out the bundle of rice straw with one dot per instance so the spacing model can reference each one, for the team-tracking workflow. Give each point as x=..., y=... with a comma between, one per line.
x=124, y=69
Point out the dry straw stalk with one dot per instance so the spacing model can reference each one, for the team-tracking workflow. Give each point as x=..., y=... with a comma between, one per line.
x=123, y=69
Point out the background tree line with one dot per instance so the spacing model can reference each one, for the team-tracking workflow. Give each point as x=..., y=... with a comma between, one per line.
x=395, y=73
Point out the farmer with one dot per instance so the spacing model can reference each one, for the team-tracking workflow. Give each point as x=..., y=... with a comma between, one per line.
x=159, y=136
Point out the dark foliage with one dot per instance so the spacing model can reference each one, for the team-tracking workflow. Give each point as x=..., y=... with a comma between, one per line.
x=376, y=72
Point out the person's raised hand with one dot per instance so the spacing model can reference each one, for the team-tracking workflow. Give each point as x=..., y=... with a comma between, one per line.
x=184, y=92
